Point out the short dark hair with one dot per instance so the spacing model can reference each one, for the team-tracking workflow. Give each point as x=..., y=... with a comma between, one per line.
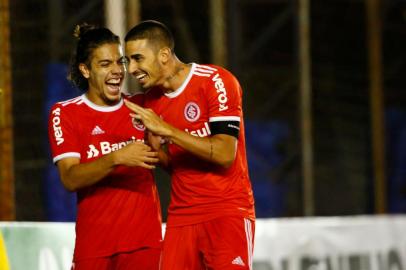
x=89, y=37
x=153, y=31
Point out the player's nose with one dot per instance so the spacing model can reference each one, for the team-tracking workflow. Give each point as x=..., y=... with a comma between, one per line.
x=132, y=67
x=118, y=68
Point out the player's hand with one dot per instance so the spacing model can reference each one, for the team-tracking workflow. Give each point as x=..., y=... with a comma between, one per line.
x=153, y=140
x=137, y=154
x=150, y=119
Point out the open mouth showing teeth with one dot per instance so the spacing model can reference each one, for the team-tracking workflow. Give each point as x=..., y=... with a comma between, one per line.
x=141, y=77
x=114, y=81
x=114, y=85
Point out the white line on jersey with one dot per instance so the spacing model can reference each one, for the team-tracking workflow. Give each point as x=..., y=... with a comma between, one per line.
x=69, y=101
x=224, y=118
x=201, y=74
x=206, y=67
x=248, y=234
x=204, y=70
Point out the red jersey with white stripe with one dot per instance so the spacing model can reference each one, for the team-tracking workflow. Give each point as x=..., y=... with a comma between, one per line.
x=201, y=190
x=121, y=212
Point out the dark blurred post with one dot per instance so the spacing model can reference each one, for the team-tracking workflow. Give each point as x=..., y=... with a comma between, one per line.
x=218, y=32
x=7, y=206
x=133, y=14
x=55, y=15
x=116, y=20
x=306, y=105
x=376, y=100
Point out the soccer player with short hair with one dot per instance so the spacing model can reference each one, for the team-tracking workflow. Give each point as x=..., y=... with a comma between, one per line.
x=100, y=154
x=197, y=110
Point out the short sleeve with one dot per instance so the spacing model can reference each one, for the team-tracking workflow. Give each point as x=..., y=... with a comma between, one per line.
x=224, y=97
x=62, y=136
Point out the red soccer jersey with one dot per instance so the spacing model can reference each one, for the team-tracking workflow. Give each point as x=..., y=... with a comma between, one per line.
x=202, y=190
x=121, y=212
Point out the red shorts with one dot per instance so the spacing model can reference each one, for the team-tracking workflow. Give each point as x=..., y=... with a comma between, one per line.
x=219, y=244
x=142, y=259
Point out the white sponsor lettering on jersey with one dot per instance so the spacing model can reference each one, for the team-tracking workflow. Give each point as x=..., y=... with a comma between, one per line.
x=201, y=132
x=222, y=97
x=92, y=152
x=56, y=124
x=107, y=147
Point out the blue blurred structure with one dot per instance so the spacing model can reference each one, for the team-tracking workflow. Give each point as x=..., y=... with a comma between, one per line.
x=263, y=142
x=60, y=205
x=396, y=158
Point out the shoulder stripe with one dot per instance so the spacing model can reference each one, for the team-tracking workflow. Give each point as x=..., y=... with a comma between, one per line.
x=66, y=155
x=201, y=74
x=224, y=118
x=70, y=101
x=204, y=70
x=206, y=67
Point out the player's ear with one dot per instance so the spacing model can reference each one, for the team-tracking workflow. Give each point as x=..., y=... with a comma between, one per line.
x=164, y=54
x=84, y=70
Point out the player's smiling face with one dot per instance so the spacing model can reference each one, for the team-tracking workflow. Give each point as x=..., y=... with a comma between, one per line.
x=105, y=75
x=144, y=63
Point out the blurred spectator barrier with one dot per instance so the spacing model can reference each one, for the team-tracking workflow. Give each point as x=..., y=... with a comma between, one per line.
x=60, y=204
x=265, y=155
x=325, y=243
x=396, y=159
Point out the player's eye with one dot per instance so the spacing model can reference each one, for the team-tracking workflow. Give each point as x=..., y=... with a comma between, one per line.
x=137, y=58
x=104, y=63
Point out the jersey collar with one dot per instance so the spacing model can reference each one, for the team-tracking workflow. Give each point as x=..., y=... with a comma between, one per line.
x=179, y=91
x=102, y=108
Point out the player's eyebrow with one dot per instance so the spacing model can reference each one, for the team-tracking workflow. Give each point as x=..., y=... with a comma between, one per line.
x=136, y=56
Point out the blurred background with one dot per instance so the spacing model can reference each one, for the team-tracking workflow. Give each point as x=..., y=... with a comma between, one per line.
x=324, y=96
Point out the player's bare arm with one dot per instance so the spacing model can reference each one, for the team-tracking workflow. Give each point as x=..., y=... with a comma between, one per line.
x=219, y=149
x=76, y=175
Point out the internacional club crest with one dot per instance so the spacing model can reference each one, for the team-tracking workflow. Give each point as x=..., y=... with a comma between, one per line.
x=138, y=124
x=192, y=112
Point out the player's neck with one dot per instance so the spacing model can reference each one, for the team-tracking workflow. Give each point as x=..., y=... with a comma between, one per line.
x=176, y=76
x=97, y=99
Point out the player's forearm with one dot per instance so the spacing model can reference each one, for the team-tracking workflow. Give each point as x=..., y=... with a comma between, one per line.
x=86, y=174
x=218, y=149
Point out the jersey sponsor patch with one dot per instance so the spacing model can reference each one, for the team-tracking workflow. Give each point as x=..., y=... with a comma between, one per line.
x=105, y=147
x=192, y=112
x=222, y=92
x=201, y=132
x=56, y=125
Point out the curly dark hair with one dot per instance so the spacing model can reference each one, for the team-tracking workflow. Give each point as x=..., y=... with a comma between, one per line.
x=89, y=37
